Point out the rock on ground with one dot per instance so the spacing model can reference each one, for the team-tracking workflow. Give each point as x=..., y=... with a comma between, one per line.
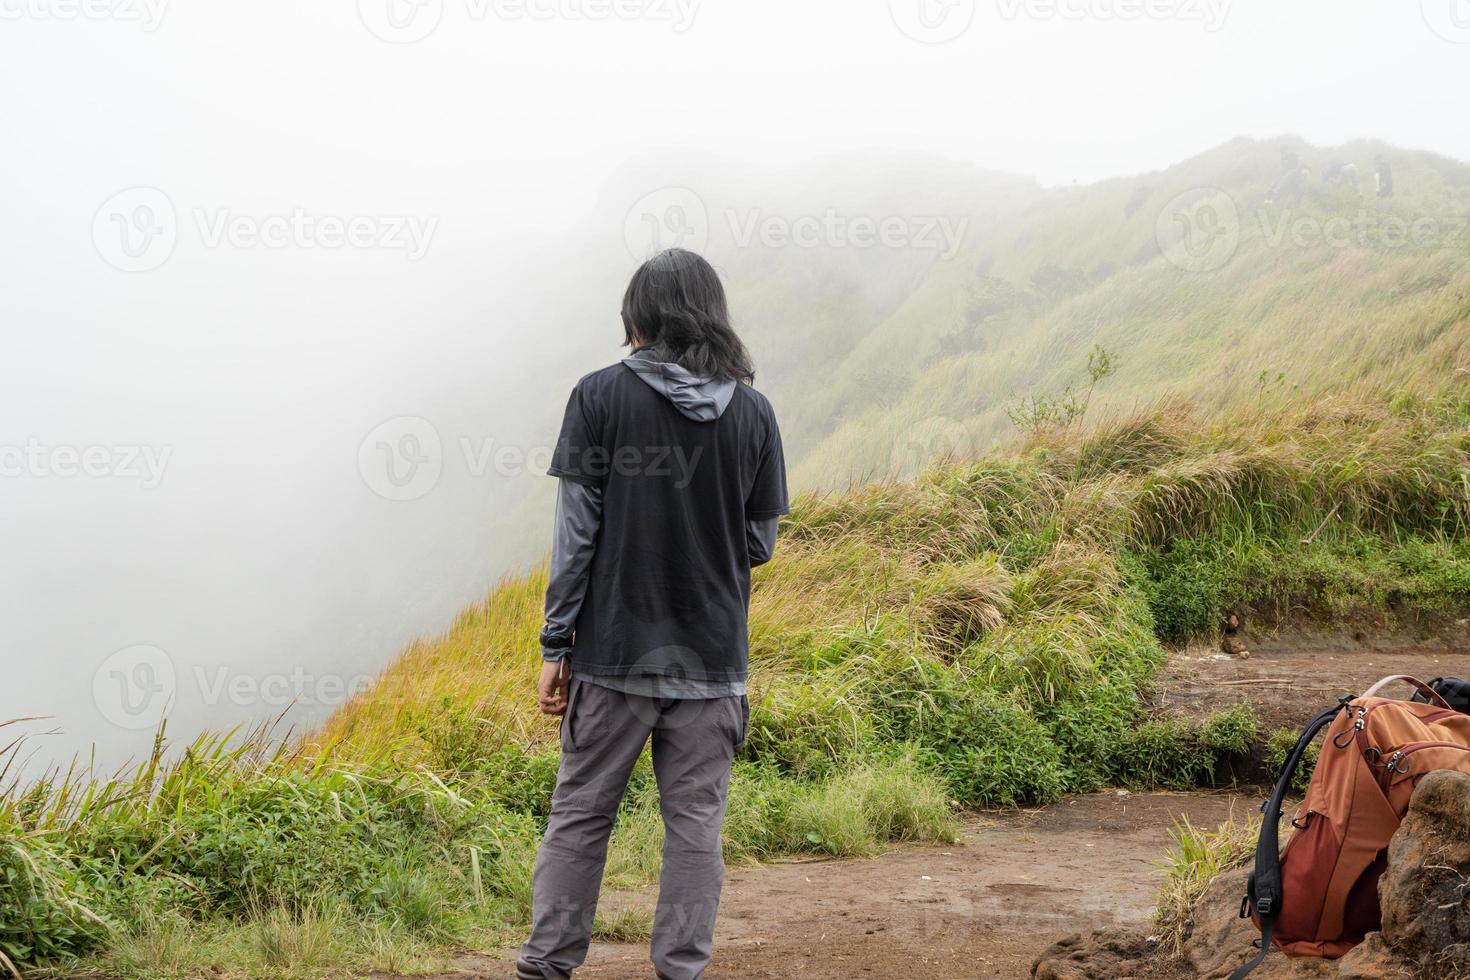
x=1425, y=897
x=1104, y=956
x=1425, y=893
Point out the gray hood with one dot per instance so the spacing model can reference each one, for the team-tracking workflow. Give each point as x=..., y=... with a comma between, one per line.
x=701, y=399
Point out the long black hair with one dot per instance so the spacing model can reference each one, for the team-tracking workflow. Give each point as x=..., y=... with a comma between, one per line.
x=675, y=306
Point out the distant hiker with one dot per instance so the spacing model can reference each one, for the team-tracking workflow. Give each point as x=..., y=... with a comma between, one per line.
x=1341, y=174
x=1383, y=176
x=1290, y=161
x=1289, y=187
x=671, y=483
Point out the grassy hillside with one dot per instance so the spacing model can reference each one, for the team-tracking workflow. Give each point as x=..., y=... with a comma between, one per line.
x=876, y=353
x=1319, y=295
x=878, y=357
x=1288, y=432
x=1044, y=571
x=983, y=635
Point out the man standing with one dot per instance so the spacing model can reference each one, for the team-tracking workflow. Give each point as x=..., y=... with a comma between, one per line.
x=672, y=481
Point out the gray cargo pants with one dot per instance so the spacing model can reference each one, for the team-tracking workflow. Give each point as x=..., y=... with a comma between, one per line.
x=602, y=735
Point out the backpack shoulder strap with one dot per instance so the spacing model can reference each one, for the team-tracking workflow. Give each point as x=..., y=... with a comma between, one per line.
x=1429, y=692
x=1268, y=926
x=1264, y=894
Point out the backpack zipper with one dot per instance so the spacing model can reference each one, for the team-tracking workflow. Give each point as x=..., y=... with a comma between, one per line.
x=1396, y=764
x=1361, y=725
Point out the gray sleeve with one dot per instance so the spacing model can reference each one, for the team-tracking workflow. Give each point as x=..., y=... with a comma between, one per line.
x=578, y=518
x=760, y=538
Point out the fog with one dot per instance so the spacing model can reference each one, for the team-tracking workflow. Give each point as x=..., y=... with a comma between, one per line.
x=293, y=292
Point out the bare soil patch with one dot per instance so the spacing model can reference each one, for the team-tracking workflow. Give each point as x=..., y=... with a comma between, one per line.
x=985, y=907
x=1288, y=679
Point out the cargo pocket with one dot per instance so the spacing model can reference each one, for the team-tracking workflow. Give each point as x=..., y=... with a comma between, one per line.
x=585, y=723
x=744, y=728
x=568, y=720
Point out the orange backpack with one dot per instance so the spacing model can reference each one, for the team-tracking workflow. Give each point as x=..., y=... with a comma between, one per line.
x=1319, y=897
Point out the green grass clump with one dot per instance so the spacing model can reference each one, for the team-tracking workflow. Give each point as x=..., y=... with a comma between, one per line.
x=1278, y=749
x=1178, y=753
x=246, y=830
x=1192, y=864
x=1344, y=573
x=1190, y=585
x=856, y=812
x=1088, y=729
x=804, y=724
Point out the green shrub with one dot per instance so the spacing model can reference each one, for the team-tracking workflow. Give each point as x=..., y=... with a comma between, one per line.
x=854, y=812
x=805, y=723
x=1192, y=864
x=1231, y=733
x=1179, y=753
x=1279, y=746
x=1087, y=728
x=1189, y=584
x=990, y=749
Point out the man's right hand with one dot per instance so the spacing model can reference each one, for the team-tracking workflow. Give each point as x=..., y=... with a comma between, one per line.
x=551, y=691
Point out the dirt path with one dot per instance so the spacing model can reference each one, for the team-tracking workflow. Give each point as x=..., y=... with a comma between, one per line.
x=1289, y=680
x=985, y=907
x=1018, y=880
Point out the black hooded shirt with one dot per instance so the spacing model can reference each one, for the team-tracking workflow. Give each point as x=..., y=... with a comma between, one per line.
x=669, y=586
